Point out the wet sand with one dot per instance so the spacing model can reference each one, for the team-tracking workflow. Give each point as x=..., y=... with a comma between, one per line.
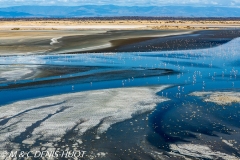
x=54, y=42
x=33, y=42
x=115, y=74
x=66, y=42
x=195, y=40
x=15, y=73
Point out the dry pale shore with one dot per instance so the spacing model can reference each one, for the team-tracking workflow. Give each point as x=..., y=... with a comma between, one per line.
x=116, y=24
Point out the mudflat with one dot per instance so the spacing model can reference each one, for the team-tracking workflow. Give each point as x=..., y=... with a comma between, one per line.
x=68, y=41
x=104, y=41
x=63, y=36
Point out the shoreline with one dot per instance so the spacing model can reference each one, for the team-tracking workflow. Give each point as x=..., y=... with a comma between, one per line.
x=112, y=44
x=108, y=41
x=43, y=42
x=169, y=42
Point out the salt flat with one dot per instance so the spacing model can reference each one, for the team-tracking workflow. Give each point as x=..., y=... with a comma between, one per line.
x=199, y=151
x=221, y=98
x=49, y=119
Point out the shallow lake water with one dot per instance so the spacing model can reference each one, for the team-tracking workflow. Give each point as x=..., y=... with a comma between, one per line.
x=180, y=120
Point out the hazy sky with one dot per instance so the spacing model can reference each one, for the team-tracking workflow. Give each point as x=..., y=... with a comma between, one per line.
x=228, y=3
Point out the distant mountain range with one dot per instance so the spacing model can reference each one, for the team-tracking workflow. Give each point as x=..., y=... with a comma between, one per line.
x=112, y=11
